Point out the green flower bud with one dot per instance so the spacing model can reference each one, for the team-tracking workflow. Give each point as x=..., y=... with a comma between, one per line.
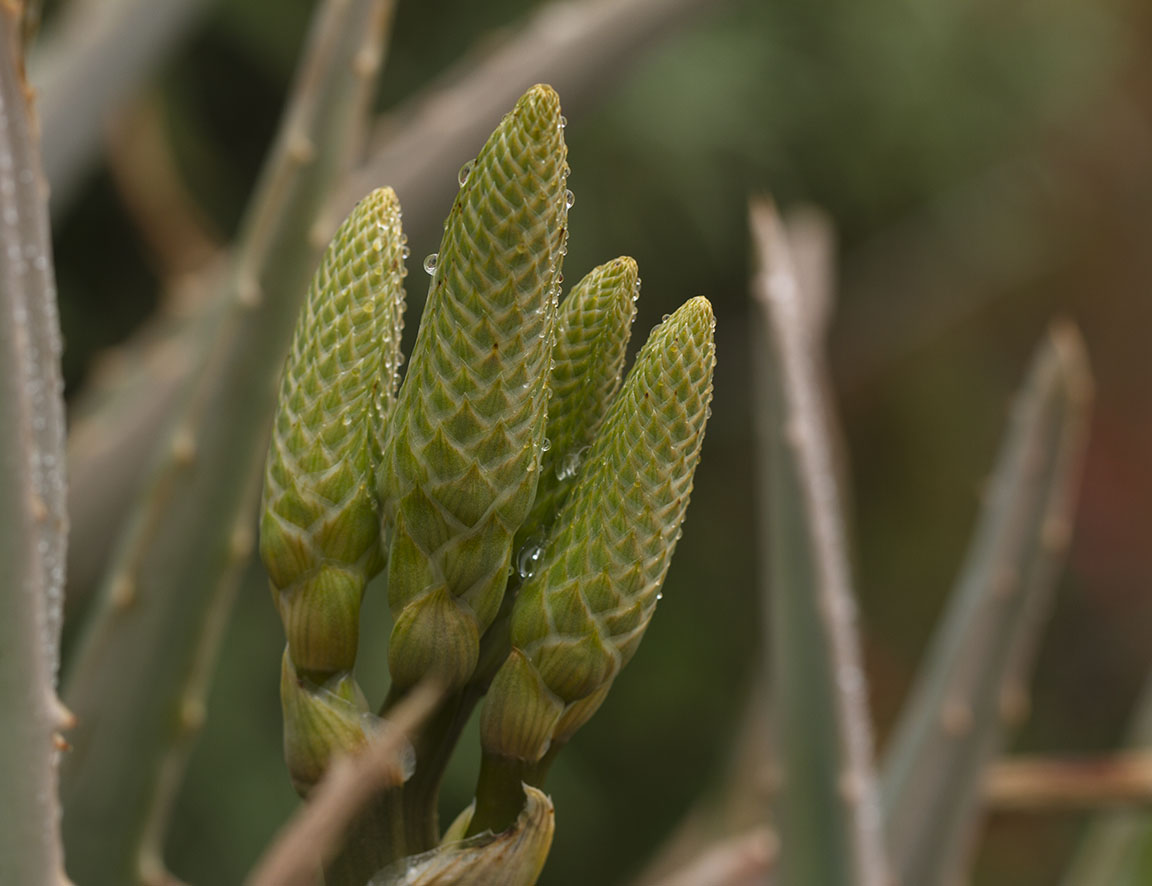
x=338, y=385
x=460, y=461
x=320, y=721
x=320, y=524
x=521, y=713
x=578, y=620
x=593, y=326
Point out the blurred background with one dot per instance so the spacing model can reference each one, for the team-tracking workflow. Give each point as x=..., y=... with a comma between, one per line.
x=987, y=167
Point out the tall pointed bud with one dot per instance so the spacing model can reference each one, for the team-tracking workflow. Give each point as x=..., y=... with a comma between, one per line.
x=319, y=528
x=461, y=459
x=593, y=326
x=580, y=618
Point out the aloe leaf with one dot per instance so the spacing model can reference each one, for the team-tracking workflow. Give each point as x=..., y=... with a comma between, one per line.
x=970, y=691
x=828, y=809
x=579, y=619
x=461, y=459
x=138, y=679
x=33, y=522
x=1117, y=848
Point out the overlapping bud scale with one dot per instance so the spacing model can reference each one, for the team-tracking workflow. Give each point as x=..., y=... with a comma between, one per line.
x=460, y=462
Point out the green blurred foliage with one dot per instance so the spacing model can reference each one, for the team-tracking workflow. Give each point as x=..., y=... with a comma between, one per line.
x=874, y=110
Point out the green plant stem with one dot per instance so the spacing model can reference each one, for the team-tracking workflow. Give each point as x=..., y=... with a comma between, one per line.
x=376, y=837
x=32, y=515
x=139, y=677
x=499, y=793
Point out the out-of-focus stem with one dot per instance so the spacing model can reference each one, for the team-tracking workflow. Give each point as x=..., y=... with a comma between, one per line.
x=828, y=810
x=139, y=677
x=577, y=47
x=33, y=524
x=86, y=64
x=1039, y=785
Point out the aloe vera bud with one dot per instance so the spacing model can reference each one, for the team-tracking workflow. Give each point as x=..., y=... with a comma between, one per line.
x=514, y=857
x=319, y=528
x=337, y=388
x=593, y=326
x=460, y=462
x=320, y=721
x=579, y=619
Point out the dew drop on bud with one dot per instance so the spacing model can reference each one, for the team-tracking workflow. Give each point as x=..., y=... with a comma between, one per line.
x=405, y=252
x=528, y=559
x=569, y=199
x=563, y=121
x=430, y=263
x=569, y=465
x=465, y=171
x=545, y=445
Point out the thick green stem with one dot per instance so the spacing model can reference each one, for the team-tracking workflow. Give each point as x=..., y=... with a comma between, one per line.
x=499, y=793
x=375, y=838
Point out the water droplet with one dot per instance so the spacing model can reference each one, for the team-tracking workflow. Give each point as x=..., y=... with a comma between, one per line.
x=569, y=465
x=659, y=596
x=465, y=171
x=430, y=262
x=405, y=251
x=663, y=319
x=563, y=121
x=528, y=559
x=545, y=445
x=569, y=199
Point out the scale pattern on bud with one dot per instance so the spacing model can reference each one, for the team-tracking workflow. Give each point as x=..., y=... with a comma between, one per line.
x=460, y=461
x=319, y=528
x=579, y=619
x=593, y=326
